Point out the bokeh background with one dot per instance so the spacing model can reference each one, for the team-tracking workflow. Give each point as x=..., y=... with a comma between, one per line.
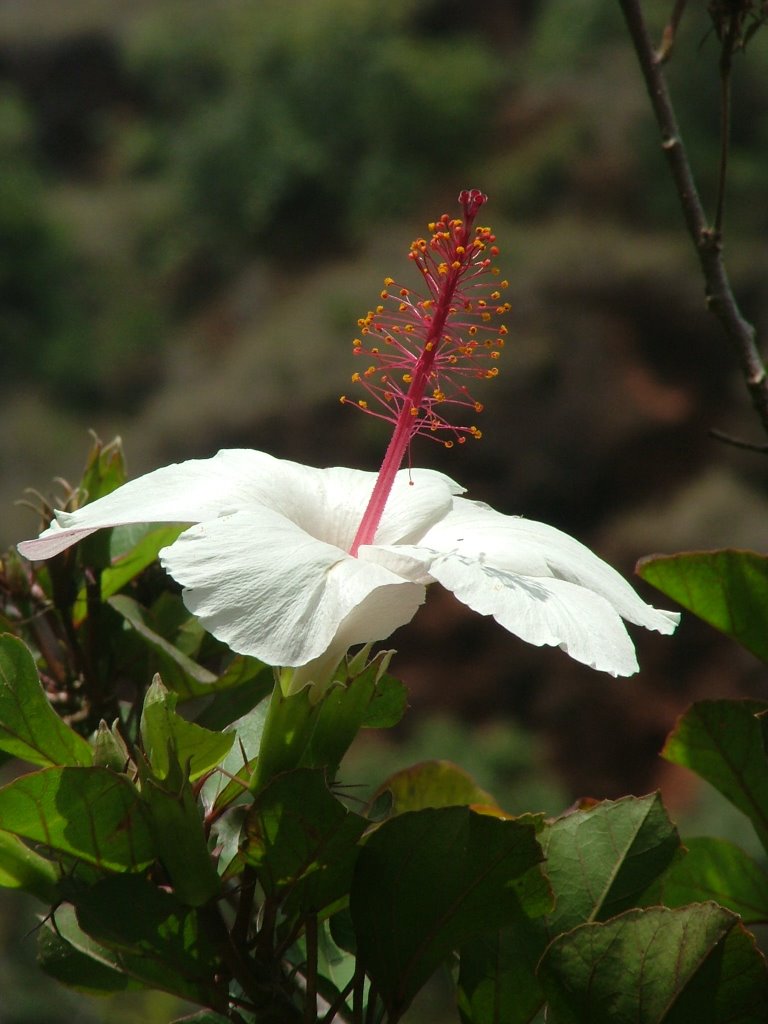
x=198, y=198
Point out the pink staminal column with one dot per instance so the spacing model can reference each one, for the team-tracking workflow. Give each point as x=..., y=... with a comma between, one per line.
x=422, y=347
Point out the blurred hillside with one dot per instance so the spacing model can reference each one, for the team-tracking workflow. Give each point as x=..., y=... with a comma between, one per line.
x=198, y=199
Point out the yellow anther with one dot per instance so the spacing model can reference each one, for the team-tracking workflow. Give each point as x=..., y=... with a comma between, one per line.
x=388, y=282
x=460, y=250
x=486, y=316
x=447, y=444
x=472, y=331
x=362, y=403
x=456, y=265
x=479, y=406
x=493, y=372
x=495, y=296
x=407, y=378
x=355, y=378
x=384, y=295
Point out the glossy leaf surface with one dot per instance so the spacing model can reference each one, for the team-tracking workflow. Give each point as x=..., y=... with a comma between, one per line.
x=722, y=742
x=657, y=966
x=93, y=814
x=728, y=589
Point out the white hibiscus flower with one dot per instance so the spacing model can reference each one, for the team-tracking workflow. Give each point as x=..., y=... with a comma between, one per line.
x=266, y=565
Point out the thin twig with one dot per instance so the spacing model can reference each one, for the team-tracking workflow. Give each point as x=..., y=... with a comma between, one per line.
x=720, y=297
x=727, y=46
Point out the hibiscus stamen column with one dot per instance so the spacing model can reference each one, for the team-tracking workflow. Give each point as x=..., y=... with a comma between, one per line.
x=422, y=347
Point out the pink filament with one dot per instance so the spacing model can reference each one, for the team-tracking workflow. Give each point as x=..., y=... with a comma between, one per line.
x=406, y=422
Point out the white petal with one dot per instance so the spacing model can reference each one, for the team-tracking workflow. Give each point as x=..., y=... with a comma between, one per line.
x=327, y=503
x=536, y=550
x=185, y=492
x=542, y=611
x=267, y=588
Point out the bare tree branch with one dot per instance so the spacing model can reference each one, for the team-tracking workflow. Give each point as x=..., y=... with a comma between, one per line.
x=708, y=242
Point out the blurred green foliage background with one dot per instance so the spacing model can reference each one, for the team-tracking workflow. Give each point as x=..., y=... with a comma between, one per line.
x=198, y=198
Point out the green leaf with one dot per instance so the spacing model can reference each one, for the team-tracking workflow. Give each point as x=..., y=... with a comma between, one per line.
x=222, y=789
x=135, y=918
x=104, y=473
x=302, y=841
x=497, y=975
x=388, y=704
x=22, y=868
x=74, y=967
x=181, y=674
x=715, y=869
x=90, y=813
x=600, y=859
x=29, y=727
x=109, y=748
x=433, y=784
x=162, y=731
x=131, y=550
x=722, y=741
x=244, y=684
x=728, y=589
x=303, y=731
x=651, y=966
x=161, y=946
x=179, y=838
x=104, y=470
x=427, y=881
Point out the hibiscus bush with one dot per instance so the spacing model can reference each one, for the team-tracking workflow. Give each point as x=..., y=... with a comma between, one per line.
x=188, y=823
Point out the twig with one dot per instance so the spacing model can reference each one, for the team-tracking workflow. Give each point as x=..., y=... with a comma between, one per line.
x=338, y=1005
x=707, y=240
x=727, y=46
x=737, y=442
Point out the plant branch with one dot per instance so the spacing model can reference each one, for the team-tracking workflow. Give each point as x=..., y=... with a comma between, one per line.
x=707, y=240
